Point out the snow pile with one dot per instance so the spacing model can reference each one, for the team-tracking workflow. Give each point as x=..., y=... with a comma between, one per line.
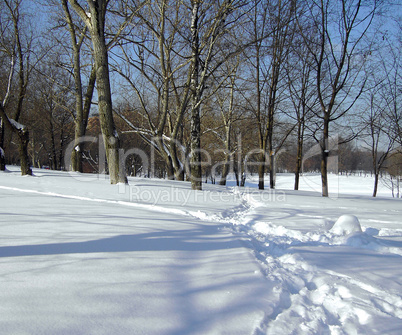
x=346, y=224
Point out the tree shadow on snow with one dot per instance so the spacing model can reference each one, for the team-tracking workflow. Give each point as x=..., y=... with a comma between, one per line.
x=200, y=239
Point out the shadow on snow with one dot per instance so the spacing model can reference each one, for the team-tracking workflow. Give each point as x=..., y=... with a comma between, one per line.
x=202, y=239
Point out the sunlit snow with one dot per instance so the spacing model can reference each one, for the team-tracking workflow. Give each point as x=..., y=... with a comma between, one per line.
x=81, y=256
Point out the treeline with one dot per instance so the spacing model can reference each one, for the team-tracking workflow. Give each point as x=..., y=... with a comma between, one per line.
x=193, y=90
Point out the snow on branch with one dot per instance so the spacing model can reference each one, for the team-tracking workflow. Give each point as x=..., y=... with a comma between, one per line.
x=135, y=129
x=17, y=125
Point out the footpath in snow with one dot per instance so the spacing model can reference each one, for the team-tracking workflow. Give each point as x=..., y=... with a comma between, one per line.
x=78, y=255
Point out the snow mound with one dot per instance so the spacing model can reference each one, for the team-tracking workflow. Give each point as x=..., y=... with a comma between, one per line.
x=346, y=224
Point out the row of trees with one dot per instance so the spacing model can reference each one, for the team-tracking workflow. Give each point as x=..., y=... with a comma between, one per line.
x=244, y=82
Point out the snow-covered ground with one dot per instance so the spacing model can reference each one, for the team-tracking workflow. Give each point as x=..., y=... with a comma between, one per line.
x=80, y=256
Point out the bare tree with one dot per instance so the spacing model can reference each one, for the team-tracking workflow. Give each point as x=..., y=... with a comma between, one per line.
x=228, y=108
x=50, y=116
x=382, y=120
x=95, y=21
x=156, y=51
x=196, y=94
x=176, y=58
x=381, y=141
x=209, y=25
x=82, y=99
x=272, y=33
x=302, y=95
x=393, y=180
x=19, y=51
x=341, y=27
x=391, y=93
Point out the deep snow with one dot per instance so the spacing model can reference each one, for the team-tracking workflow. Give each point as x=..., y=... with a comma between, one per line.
x=80, y=256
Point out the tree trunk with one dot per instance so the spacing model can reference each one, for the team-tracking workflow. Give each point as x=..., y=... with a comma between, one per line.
x=228, y=156
x=324, y=173
x=299, y=161
x=61, y=151
x=177, y=167
x=76, y=153
x=236, y=173
x=53, y=147
x=95, y=21
x=324, y=156
x=23, y=136
x=261, y=171
x=225, y=171
x=297, y=177
x=2, y=154
x=299, y=157
x=170, y=170
x=195, y=157
x=109, y=133
x=272, y=170
x=242, y=174
x=376, y=178
x=195, y=139
x=23, y=139
x=82, y=109
x=23, y=75
x=81, y=121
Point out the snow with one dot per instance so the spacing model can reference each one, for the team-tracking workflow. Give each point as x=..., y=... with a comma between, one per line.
x=346, y=224
x=17, y=125
x=78, y=255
